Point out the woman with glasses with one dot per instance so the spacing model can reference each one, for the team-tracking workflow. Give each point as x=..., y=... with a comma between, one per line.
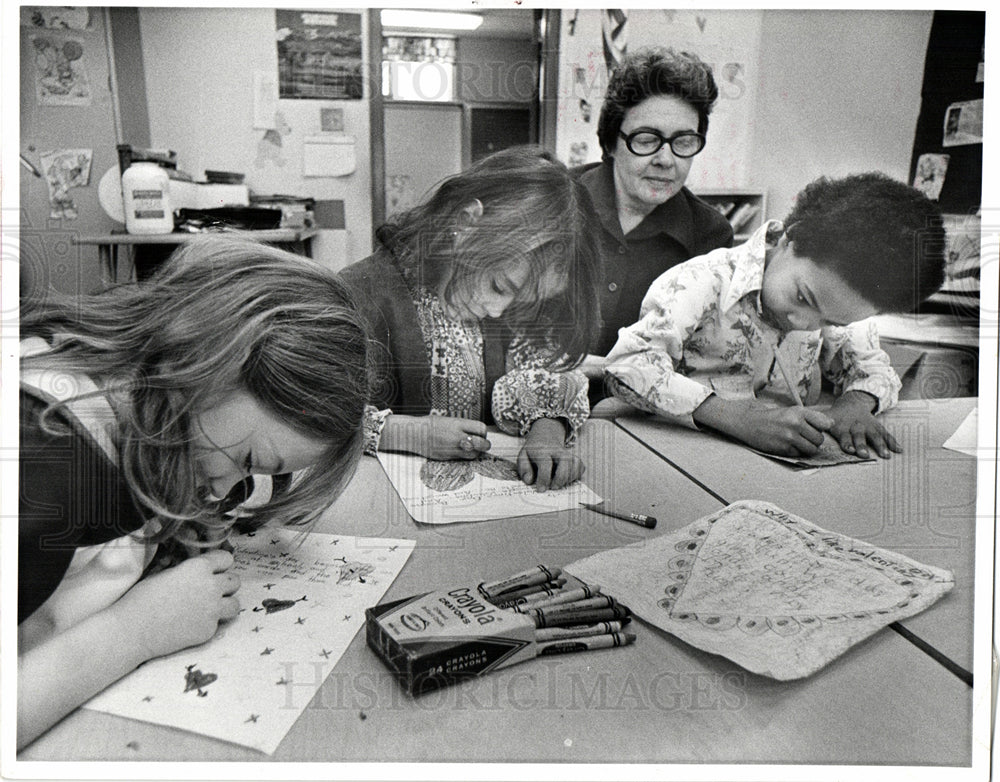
x=652, y=124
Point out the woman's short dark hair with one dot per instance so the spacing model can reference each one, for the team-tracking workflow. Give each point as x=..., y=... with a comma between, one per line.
x=655, y=71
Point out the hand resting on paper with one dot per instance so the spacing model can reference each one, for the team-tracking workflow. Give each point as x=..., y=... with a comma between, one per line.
x=784, y=431
x=545, y=461
x=856, y=429
x=439, y=437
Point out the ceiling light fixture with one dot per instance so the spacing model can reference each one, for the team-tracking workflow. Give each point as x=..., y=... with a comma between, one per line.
x=433, y=20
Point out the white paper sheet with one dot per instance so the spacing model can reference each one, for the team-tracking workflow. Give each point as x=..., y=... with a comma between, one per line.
x=488, y=488
x=302, y=601
x=770, y=591
x=966, y=437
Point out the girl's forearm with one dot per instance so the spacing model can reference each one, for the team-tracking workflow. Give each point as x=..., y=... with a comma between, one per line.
x=102, y=650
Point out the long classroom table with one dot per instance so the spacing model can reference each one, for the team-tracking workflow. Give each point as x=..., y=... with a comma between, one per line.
x=921, y=502
x=658, y=700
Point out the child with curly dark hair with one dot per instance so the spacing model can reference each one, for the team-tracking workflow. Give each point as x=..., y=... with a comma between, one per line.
x=723, y=336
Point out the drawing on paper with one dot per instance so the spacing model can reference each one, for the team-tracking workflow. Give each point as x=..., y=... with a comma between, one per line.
x=489, y=487
x=223, y=679
x=270, y=605
x=355, y=571
x=767, y=589
x=195, y=679
x=451, y=476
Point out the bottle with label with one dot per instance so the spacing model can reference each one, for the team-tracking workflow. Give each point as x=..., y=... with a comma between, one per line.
x=146, y=192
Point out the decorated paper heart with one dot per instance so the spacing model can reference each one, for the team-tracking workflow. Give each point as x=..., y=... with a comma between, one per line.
x=767, y=589
x=736, y=571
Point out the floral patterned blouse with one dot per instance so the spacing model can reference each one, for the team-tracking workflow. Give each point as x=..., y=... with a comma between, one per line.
x=527, y=392
x=700, y=332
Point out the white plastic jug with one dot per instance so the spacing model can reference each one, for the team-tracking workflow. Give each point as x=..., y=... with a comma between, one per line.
x=146, y=193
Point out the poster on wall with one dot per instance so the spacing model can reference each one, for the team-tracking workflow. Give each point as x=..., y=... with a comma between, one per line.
x=963, y=124
x=65, y=169
x=319, y=55
x=60, y=76
x=57, y=17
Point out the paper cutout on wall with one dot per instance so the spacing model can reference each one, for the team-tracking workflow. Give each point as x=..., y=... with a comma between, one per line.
x=963, y=124
x=302, y=598
x=445, y=492
x=64, y=169
x=60, y=76
x=929, y=177
x=270, y=148
x=58, y=17
x=614, y=31
x=769, y=590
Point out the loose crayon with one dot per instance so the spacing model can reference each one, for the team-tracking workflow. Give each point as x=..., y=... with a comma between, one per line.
x=590, y=603
x=535, y=575
x=541, y=619
x=563, y=596
x=577, y=631
x=608, y=641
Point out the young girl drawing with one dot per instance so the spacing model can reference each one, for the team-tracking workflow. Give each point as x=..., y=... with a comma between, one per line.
x=141, y=409
x=485, y=298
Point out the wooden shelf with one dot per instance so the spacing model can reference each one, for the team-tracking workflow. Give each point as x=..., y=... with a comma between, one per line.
x=746, y=210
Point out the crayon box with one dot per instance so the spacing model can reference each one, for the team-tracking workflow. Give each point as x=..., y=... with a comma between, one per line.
x=439, y=638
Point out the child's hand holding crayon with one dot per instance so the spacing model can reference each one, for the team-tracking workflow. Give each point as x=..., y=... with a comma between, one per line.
x=784, y=431
x=855, y=427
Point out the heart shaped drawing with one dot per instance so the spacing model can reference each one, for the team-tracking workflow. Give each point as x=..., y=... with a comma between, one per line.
x=195, y=679
x=767, y=589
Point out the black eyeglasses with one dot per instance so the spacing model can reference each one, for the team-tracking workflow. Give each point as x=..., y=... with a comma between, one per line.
x=644, y=143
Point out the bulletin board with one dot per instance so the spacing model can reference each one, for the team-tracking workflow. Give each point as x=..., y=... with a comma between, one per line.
x=947, y=161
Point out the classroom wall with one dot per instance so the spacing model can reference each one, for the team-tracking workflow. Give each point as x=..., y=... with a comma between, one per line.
x=802, y=93
x=726, y=39
x=200, y=65
x=838, y=93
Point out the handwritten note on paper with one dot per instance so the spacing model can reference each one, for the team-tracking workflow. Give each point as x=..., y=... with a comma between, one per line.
x=487, y=488
x=302, y=599
x=770, y=591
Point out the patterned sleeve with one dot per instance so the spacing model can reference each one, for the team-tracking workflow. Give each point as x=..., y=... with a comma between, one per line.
x=852, y=359
x=374, y=423
x=641, y=367
x=522, y=396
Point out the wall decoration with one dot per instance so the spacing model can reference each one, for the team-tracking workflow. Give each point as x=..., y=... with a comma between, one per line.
x=319, y=55
x=931, y=170
x=302, y=598
x=270, y=147
x=963, y=123
x=64, y=169
x=614, y=28
x=60, y=76
x=56, y=17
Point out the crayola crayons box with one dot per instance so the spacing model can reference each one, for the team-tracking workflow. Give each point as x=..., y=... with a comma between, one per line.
x=438, y=638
